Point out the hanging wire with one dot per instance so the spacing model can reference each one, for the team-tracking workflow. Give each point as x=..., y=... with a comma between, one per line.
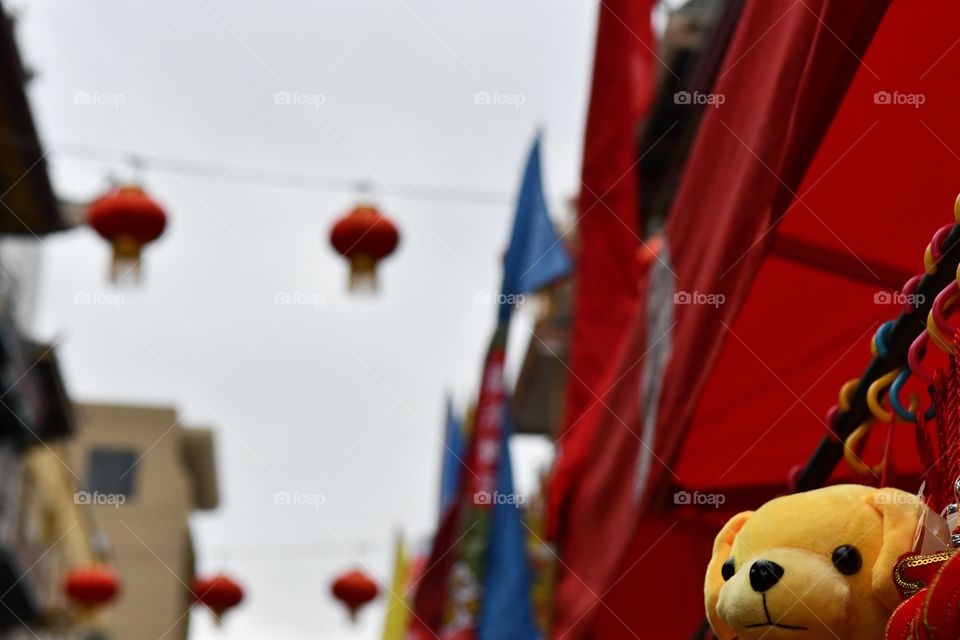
x=278, y=178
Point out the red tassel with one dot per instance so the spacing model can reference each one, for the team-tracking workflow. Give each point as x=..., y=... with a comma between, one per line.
x=946, y=389
x=888, y=471
x=930, y=459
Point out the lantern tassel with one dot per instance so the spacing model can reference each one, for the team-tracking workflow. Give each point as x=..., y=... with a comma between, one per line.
x=125, y=266
x=84, y=614
x=363, y=275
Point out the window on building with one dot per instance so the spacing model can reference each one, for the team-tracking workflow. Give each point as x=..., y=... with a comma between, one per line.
x=112, y=471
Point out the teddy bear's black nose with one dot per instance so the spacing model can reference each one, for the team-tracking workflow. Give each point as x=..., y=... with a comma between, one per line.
x=764, y=574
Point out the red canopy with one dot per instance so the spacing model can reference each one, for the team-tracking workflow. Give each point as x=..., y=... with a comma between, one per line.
x=799, y=219
x=883, y=180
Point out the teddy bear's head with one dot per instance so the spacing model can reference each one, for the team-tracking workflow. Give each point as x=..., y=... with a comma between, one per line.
x=811, y=565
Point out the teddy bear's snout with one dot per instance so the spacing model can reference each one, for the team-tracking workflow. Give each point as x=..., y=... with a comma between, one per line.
x=764, y=574
x=787, y=593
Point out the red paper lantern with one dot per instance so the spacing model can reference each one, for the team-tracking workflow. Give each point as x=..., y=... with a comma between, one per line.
x=364, y=237
x=129, y=219
x=354, y=589
x=218, y=593
x=92, y=586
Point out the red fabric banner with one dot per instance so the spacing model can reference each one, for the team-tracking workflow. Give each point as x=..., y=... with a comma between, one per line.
x=784, y=77
x=447, y=599
x=464, y=583
x=607, y=268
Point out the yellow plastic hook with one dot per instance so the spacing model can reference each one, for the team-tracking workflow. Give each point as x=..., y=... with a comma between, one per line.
x=873, y=395
x=845, y=392
x=929, y=264
x=850, y=454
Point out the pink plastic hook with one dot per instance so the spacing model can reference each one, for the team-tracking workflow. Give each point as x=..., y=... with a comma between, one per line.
x=939, y=314
x=936, y=245
x=913, y=356
x=831, y=419
x=906, y=292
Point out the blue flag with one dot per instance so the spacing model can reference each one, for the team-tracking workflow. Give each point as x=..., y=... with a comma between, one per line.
x=536, y=256
x=451, y=470
x=506, y=612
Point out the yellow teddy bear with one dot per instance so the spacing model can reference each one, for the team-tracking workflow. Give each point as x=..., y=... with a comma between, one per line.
x=811, y=565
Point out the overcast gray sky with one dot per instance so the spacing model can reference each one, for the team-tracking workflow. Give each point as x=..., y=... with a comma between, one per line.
x=344, y=398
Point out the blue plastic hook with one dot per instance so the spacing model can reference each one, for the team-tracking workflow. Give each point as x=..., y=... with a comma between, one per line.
x=903, y=412
x=880, y=338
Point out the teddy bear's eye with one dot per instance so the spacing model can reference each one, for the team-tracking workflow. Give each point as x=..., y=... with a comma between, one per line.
x=728, y=569
x=847, y=559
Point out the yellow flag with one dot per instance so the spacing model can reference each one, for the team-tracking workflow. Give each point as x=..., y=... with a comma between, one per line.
x=397, y=621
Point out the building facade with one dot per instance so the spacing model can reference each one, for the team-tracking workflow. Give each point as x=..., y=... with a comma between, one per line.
x=144, y=475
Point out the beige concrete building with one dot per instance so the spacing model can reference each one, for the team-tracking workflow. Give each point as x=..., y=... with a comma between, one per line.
x=143, y=476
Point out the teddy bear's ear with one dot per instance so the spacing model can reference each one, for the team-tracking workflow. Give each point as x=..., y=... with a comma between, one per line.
x=724, y=539
x=714, y=580
x=899, y=511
